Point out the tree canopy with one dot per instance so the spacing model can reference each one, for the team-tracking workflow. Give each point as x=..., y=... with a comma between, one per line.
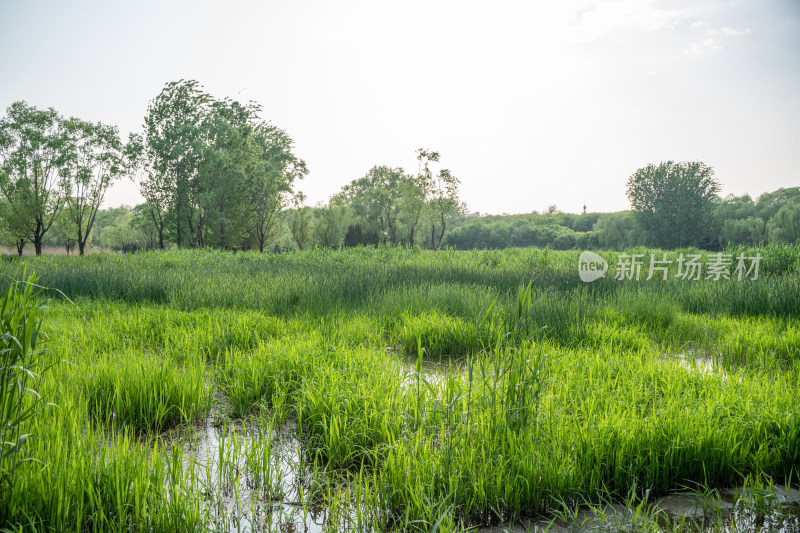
x=673, y=201
x=54, y=171
x=393, y=204
x=213, y=173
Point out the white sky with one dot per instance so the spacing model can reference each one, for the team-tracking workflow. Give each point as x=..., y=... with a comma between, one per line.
x=529, y=103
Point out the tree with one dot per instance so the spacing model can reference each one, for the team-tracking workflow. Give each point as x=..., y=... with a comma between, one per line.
x=14, y=231
x=412, y=205
x=584, y=222
x=95, y=161
x=375, y=200
x=770, y=203
x=673, y=201
x=356, y=235
x=300, y=221
x=33, y=151
x=216, y=174
x=747, y=231
x=143, y=223
x=785, y=225
x=617, y=231
x=414, y=192
x=119, y=231
x=442, y=198
x=330, y=223
x=222, y=188
x=66, y=231
x=174, y=145
x=141, y=170
x=734, y=220
x=735, y=208
x=275, y=170
x=391, y=204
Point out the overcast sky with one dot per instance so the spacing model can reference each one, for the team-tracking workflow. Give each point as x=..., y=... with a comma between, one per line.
x=529, y=103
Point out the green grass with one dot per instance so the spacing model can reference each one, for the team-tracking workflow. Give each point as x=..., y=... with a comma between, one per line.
x=144, y=392
x=548, y=391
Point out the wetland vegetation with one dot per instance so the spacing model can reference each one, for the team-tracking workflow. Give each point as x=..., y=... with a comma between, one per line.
x=375, y=389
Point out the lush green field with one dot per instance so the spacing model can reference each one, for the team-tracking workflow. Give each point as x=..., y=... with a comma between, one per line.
x=372, y=389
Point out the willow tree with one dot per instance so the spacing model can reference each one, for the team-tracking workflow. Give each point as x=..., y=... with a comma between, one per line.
x=94, y=162
x=33, y=150
x=174, y=145
x=275, y=170
x=215, y=173
x=673, y=201
x=300, y=221
x=330, y=222
x=441, y=193
x=376, y=200
x=785, y=225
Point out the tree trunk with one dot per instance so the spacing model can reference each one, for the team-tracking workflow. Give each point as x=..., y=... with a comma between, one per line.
x=178, y=206
x=81, y=239
x=441, y=234
x=192, y=233
x=222, y=225
x=261, y=236
x=159, y=227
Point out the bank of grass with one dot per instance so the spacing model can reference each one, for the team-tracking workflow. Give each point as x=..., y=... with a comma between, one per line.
x=319, y=281
x=558, y=391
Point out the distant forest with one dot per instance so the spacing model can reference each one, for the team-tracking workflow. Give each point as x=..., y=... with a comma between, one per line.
x=732, y=220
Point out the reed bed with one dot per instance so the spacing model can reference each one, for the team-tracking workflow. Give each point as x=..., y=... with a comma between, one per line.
x=546, y=392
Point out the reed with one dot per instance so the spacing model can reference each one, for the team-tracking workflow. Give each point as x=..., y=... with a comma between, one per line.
x=430, y=391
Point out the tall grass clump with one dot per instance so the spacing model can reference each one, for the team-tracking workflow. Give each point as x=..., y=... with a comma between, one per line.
x=270, y=374
x=20, y=325
x=440, y=333
x=145, y=392
x=91, y=479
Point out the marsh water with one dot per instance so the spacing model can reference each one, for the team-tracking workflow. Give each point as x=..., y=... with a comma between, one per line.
x=773, y=510
x=281, y=497
x=237, y=499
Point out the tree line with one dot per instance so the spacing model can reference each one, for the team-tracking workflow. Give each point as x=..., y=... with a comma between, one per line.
x=734, y=220
x=673, y=205
x=214, y=174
